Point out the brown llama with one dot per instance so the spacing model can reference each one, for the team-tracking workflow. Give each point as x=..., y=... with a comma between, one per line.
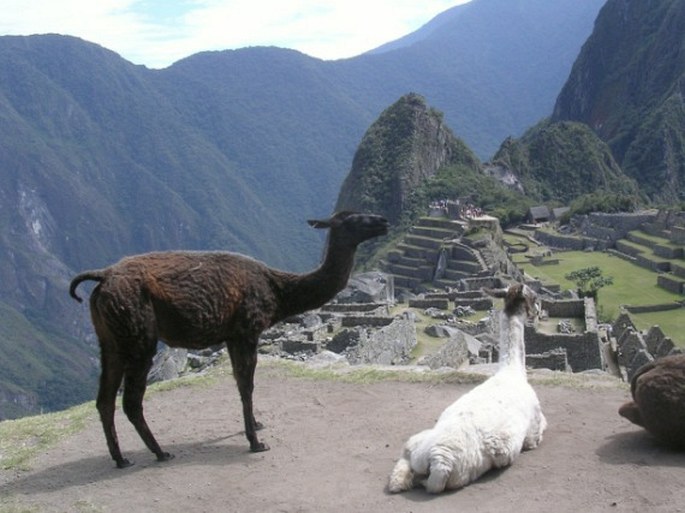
x=658, y=405
x=200, y=299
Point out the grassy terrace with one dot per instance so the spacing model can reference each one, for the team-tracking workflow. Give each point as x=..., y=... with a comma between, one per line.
x=653, y=238
x=645, y=251
x=633, y=285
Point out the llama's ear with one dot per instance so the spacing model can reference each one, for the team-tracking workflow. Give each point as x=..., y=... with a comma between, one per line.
x=315, y=223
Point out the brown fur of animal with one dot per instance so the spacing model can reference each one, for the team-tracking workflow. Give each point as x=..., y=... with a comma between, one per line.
x=200, y=299
x=658, y=405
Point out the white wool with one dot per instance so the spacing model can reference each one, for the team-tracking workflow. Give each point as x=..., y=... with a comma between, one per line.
x=485, y=428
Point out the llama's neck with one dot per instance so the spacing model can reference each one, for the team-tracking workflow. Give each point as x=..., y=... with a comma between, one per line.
x=303, y=292
x=512, y=345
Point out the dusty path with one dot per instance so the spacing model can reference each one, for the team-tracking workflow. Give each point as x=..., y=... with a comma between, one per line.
x=333, y=445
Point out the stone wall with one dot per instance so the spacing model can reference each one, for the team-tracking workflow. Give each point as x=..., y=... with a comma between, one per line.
x=634, y=348
x=583, y=351
x=557, y=359
x=678, y=269
x=376, y=308
x=678, y=235
x=652, y=308
x=473, y=284
x=564, y=307
x=669, y=252
x=671, y=283
x=390, y=345
x=365, y=320
x=567, y=242
x=669, y=224
x=433, y=302
x=620, y=223
x=481, y=303
x=598, y=231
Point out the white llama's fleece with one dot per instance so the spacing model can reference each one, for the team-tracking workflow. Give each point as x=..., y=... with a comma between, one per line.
x=485, y=428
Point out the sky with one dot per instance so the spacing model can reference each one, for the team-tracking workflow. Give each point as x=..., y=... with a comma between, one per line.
x=157, y=33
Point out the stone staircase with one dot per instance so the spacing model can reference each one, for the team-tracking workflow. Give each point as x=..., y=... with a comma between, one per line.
x=433, y=254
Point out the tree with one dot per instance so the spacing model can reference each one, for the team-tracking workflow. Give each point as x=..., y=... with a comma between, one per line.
x=589, y=280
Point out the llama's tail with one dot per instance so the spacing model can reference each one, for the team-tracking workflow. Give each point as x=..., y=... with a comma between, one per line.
x=401, y=477
x=88, y=275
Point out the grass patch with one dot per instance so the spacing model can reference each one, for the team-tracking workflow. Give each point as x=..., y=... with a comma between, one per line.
x=661, y=241
x=671, y=322
x=214, y=374
x=633, y=285
x=21, y=439
x=579, y=381
x=16, y=508
x=426, y=344
x=367, y=374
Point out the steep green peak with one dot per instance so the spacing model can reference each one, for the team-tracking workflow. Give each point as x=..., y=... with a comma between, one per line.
x=561, y=161
x=405, y=146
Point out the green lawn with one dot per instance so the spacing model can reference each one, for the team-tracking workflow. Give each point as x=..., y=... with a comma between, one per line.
x=657, y=240
x=633, y=285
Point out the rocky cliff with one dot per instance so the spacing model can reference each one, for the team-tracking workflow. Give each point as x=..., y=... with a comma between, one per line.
x=628, y=84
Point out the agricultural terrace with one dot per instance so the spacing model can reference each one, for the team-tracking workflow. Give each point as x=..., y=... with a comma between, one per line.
x=633, y=285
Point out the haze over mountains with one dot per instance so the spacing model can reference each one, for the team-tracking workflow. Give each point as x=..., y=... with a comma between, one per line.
x=223, y=150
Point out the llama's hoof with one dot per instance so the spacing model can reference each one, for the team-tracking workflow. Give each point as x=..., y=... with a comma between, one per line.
x=259, y=447
x=165, y=456
x=124, y=463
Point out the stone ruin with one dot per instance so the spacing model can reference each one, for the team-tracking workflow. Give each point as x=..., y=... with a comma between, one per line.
x=357, y=327
x=631, y=348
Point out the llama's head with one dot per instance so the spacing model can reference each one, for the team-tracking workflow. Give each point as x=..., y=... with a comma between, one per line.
x=518, y=298
x=353, y=228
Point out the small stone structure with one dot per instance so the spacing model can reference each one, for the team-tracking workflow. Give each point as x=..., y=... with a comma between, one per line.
x=633, y=348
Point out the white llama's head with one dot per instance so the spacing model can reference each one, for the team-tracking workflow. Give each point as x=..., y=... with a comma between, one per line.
x=519, y=299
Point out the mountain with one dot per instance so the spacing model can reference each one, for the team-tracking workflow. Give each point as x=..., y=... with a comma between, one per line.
x=628, y=84
x=403, y=148
x=487, y=65
x=409, y=158
x=561, y=161
x=100, y=158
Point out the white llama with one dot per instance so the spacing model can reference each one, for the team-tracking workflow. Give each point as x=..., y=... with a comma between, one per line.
x=485, y=428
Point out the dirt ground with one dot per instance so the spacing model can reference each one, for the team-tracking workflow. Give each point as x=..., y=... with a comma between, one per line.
x=333, y=445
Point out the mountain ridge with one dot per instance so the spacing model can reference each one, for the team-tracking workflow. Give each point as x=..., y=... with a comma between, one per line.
x=100, y=158
x=628, y=84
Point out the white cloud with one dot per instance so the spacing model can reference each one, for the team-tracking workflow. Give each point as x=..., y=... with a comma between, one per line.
x=142, y=32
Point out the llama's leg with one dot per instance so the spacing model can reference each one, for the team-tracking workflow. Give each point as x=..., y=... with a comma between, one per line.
x=631, y=411
x=135, y=383
x=402, y=476
x=440, y=468
x=244, y=363
x=440, y=471
x=502, y=448
x=110, y=380
x=537, y=428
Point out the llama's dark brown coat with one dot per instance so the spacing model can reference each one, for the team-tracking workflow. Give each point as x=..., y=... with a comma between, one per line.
x=658, y=405
x=200, y=299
